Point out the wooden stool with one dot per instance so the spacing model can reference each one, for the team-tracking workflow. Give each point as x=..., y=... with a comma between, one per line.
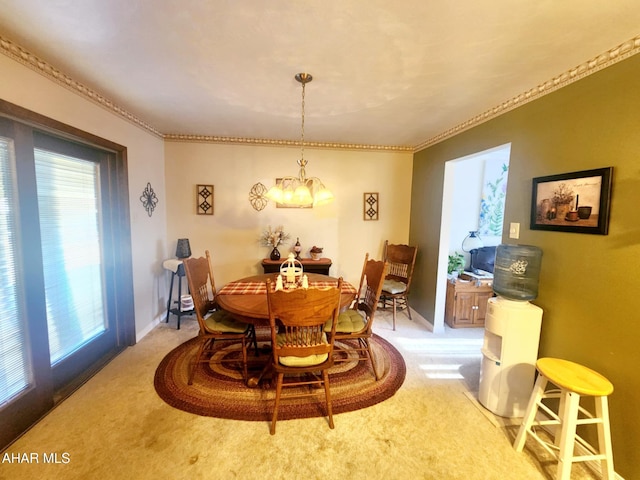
x=572, y=380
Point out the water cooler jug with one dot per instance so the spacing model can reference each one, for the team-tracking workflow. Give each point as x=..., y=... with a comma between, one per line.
x=512, y=332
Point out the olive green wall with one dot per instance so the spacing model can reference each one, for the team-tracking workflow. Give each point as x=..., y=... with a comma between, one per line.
x=589, y=284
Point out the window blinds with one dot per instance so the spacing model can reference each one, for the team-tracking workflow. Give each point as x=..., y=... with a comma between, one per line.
x=15, y=367
x=69, y=209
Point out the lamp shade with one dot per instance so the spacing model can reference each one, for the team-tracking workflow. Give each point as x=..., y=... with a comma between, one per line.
x=183, y=250
x=472, y=242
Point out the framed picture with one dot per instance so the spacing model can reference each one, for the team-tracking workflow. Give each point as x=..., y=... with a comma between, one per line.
x=370, y=206
x=204, y=201
x=575, y=202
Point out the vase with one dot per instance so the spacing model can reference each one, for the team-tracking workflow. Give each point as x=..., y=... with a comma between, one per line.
x=275, y=254
x=562, y=209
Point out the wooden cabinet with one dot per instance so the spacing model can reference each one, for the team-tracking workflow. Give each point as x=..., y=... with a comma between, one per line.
x=308, y=265
x=466, y=304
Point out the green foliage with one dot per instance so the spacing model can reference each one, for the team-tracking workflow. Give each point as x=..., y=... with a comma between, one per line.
x=492, y=204
x=456, y=263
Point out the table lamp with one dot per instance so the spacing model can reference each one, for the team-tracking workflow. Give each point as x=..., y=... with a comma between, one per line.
x=471, y=244
x=183, y=250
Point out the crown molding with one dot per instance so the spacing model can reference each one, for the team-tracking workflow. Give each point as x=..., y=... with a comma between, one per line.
x=606, y=59
x=173, y=137
x=35, y=63
x=624, y=50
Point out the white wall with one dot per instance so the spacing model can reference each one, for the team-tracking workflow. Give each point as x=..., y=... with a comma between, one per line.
x=27, y=88
x=468, y=176
x=231, y=234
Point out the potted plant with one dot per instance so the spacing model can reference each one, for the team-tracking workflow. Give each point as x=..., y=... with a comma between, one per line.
x=316, y=252
x=456, y=263
x=562, y=198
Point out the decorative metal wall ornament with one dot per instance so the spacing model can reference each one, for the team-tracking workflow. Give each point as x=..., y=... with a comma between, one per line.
x=204, y=201
x=257, y=196
x=149, y=199
x=371, y=206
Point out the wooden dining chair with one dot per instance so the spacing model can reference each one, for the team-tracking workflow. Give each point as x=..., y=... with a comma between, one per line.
x=396, y=286
x=356, y=323
x=215, y=325
x=301, y=348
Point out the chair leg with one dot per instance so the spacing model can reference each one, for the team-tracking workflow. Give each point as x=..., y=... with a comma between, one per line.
x=394, y=314
x=197, y=362
x=244, y=359
x=327, y=392
x=567, y=435
x=406, y=303
x=604, y=438
x=371, y=359
x=253, y=339
x=530, y=413
x=274, y=419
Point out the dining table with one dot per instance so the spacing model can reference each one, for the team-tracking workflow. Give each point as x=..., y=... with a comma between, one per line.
x=246, y=299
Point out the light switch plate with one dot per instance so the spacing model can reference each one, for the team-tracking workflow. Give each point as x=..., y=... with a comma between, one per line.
x=514, y=230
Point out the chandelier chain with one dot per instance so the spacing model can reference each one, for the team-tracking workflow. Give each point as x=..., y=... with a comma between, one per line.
x=302, y=125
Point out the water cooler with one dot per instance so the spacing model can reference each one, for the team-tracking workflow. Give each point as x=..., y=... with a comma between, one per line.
x=512, y=332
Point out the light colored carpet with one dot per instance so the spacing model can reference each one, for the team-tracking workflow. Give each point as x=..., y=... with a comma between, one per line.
x=116, y=427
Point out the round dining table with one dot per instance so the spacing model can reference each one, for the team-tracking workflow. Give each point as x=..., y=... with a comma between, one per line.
x=246, y=299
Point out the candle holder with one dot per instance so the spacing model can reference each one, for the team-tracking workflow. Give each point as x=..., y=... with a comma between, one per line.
x=291, y=271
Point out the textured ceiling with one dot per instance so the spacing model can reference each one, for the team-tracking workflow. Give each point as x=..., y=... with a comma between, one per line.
x=385, y=73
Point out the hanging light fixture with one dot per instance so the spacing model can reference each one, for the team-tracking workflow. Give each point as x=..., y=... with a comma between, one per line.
x=300, y=191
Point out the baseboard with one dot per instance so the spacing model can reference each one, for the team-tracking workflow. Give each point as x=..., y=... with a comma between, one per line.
x=150, y=326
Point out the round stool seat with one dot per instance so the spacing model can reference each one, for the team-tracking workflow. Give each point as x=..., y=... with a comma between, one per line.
x=574, y=377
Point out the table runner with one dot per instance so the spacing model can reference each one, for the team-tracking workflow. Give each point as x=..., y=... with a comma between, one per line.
x=260, y=288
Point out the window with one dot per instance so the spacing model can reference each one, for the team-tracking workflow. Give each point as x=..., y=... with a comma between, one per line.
x=69, y=209
x=15, y=365
x=65, y=263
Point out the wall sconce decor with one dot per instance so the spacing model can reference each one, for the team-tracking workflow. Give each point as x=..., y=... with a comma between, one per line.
x=149, y=199
x=257, y=196
x=204, y=202
x=370, y=206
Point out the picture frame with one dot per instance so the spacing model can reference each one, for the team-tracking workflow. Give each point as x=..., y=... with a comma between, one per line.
x=576, y=202
x=370, y=206
x=204, y=200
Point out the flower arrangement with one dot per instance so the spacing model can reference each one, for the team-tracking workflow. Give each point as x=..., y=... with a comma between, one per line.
x=274, y=237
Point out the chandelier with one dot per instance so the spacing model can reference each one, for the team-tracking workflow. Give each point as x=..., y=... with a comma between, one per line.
x=300, y=191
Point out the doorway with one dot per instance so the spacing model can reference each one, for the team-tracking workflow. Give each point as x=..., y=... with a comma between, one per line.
x=468, y=183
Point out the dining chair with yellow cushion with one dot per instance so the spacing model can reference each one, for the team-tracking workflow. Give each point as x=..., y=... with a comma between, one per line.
x=356, y=323
x=396, y=286
x=302, y=351
x=215, y=325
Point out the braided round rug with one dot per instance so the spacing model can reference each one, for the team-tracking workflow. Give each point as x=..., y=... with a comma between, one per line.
x=219, y=391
